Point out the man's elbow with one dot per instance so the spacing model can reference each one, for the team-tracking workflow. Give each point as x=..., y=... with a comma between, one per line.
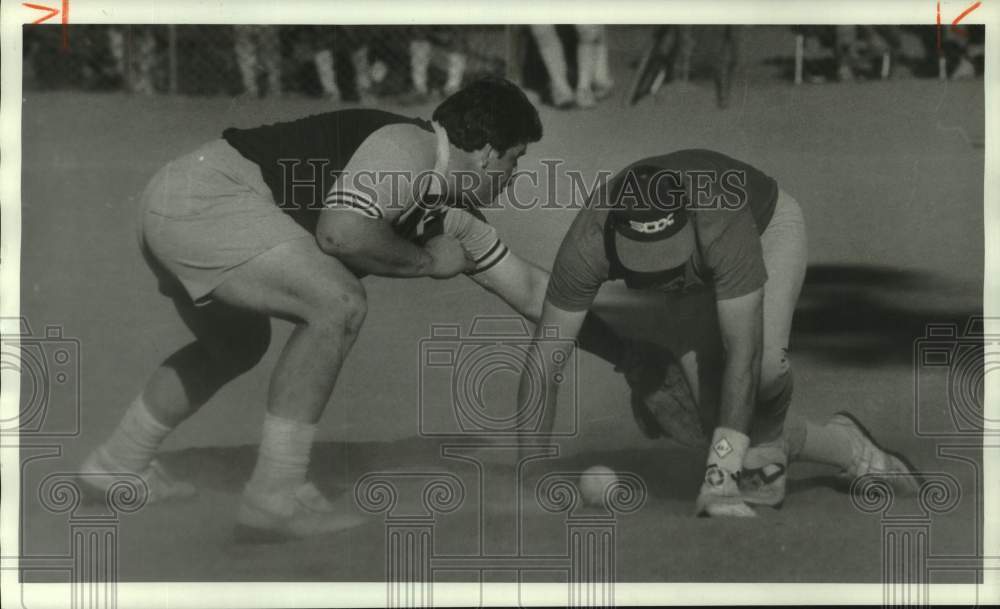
x=538, y=284
x=335, y=245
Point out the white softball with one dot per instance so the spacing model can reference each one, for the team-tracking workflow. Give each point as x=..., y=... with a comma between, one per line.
x=594, y=483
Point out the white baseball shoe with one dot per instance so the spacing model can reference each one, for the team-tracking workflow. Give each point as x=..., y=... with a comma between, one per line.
x=282, y=516
x=764, y=475
x=870, y=459
x=98, y=473
x=720, y=495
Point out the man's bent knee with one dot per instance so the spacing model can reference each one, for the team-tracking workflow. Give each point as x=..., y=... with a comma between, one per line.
x=775, y=373
x=340, y=312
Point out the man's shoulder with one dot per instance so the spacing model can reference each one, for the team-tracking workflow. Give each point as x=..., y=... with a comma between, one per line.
x=587, y=228
x=403, y=143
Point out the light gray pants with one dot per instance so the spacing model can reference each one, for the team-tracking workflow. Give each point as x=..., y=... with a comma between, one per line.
x=785, y=255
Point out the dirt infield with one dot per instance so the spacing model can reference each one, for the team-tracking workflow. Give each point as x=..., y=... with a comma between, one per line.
x=890, y=178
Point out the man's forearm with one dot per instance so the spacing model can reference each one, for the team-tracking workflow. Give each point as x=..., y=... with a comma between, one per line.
x=534, y=418
x=389, y=256
x=416, y=263
x=740, y=378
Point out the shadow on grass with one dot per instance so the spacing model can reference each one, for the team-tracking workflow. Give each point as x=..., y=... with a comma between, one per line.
x=858, y=315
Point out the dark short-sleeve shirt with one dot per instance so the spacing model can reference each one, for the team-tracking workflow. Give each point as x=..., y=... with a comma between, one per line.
x=728, y=216
x=344, y=161
x=301, y=159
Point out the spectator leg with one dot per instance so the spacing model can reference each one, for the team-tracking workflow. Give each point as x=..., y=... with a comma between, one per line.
x=246, y=58
x=326, y=73
x=586, y=61
x=685, y=50
x=727, y=63
x=420, y=61
x=603, y=82
x=456, y=72
x=144, y=60
x=270, y=50
x=846, y=49
x=550, y=48
x=362, y=73
x=116, y=45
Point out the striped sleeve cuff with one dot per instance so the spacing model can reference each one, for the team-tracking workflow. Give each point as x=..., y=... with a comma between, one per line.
x=491, y=258
x=353, y=201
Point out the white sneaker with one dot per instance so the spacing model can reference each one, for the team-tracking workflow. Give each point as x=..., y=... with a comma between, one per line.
x=98, y=474
x=603, y=90
x=562, y=99
x=281, y=516
x=585, y=98
x=870, y=459
x=764, y=476
x=720, y=496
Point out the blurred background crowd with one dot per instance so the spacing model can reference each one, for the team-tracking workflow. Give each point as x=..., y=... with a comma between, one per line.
x=567, y=66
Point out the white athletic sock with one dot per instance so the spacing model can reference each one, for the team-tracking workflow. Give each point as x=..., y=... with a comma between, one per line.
x=456, y=70
x=283, y=457
x=362, y=76
x=586, y=62
x=550, y=48
x=602, y=72
x=134, y=442
x=728, y=449
x=828, y=444
x=420, y=61
x=325, y=70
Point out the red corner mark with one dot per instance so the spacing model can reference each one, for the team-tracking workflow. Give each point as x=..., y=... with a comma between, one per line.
x=49, y=14
x=965, y=13
x=956, y=21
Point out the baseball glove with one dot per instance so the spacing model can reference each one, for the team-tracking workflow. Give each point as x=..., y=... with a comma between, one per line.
x=662, y=402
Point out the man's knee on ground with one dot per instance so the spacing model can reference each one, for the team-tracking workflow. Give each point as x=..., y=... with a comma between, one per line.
x=775, y=374
x=774, y=396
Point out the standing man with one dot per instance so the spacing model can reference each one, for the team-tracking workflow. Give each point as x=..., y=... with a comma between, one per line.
x=594, y=81
x=255, y=45
x=282, y=221
x=691, y=220
x=453, y=43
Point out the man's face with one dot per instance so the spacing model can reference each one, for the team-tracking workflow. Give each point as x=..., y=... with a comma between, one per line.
x=497, y=172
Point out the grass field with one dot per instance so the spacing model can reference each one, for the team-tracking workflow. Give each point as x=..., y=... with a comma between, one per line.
x=890, y=177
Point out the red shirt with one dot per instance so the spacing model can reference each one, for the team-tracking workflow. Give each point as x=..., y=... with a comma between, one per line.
x=730, y=204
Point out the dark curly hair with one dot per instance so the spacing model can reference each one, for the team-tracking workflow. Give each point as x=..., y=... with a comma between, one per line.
x=490, y=111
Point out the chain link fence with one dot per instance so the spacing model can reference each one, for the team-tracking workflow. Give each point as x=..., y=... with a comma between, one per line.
x=367, y=63
x=344, y=62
